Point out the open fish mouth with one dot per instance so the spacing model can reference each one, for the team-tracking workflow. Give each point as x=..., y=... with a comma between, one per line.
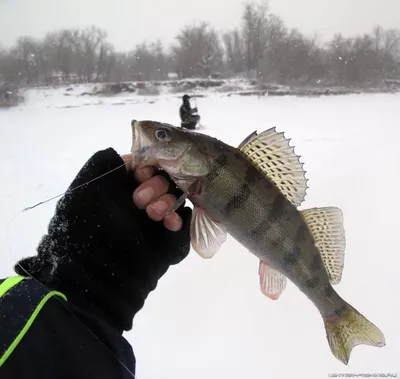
x=147, y=149
x=141, y=145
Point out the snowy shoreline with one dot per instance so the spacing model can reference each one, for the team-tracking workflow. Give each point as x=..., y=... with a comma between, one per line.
x=207, y=87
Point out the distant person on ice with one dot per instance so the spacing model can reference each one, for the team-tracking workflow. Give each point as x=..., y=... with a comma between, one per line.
x=189, y=116
x=107, y=245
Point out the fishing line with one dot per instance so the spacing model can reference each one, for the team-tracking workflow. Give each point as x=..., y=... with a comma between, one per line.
x=74, y=188
x=42, y=285
x=195, y=98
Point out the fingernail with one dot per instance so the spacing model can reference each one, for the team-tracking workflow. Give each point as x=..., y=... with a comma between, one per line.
x=176, y=223
x=145, y=196
x=147, y=172
x=160, y=207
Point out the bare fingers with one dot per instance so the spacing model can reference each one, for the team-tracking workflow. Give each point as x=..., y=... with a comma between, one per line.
x=152, y=195
x=128, y=160
x=173, y=222
x=142, y=173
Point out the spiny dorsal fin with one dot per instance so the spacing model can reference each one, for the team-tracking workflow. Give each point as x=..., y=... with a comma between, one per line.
x=271, y=153
x=247, y=139
x=326, y=226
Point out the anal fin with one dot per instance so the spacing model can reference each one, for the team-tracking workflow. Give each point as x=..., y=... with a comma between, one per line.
x=326, y=226
x=207, y=235
x=272, y=282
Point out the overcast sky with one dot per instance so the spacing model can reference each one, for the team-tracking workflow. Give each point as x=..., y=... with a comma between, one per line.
x=131, y=21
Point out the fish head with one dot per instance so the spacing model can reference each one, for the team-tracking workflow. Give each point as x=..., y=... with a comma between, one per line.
x=173, y=149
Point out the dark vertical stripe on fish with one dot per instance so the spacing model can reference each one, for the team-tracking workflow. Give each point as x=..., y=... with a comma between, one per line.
x=292, y=258
x=328, y=291
x=312, y=283
x=261, y=229
x=251, y=176
x=316, y=263
x=219, y=163
x=302, y=233
x=238, y=199
x=277, y=208
x=272, y=219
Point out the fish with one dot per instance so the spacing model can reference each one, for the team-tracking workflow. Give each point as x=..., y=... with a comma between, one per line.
x=253, y=193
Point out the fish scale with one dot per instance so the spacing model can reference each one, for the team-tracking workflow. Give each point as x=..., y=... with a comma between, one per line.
x=252, y=193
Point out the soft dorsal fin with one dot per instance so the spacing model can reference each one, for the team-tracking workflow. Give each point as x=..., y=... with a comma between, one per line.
x=271, y=153
x=326, y=226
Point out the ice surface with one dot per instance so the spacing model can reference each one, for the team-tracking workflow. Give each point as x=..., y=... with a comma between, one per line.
x=208, y=319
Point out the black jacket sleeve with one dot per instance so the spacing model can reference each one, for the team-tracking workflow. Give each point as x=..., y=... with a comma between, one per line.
x=104, y=254
x=64, y=342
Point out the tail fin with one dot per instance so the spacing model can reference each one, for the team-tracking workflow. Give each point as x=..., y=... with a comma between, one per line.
x=350, y=329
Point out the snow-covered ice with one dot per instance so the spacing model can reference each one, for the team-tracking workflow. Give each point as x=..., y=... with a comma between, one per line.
x=208, y=319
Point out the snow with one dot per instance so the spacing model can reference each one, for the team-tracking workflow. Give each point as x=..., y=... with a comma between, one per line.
x=208, y=319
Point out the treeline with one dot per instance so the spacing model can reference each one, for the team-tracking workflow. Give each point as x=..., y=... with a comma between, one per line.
x=261, y=45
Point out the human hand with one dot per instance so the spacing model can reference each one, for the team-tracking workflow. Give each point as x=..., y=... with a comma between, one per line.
x=107, y=245
x=152, y=194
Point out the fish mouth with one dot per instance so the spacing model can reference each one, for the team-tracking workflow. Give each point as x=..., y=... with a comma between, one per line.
x=145, y=151
x=139, y=142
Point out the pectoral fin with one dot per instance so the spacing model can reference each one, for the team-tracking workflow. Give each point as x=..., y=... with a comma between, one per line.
x=207, y=235
x=272, y=282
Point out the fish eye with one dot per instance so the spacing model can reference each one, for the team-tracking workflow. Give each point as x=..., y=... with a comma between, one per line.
x=162, y=135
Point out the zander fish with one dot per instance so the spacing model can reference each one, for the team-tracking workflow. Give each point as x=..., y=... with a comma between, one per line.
x=253, y=192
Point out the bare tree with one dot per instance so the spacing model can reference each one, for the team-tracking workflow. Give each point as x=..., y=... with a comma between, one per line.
x=105, y=62
x=4, y=56
x=143, y=63
x=362, y=60
x=386, y=40
x=162, y=61
x=276, y=38
x=261, y=44
x=255, y=33
x=199, y=51
x=86, y=47
x=59, y=50
x=29, y=59
x=234, y=50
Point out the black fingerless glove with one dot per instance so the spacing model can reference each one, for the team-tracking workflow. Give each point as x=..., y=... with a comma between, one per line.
x=101, y=251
